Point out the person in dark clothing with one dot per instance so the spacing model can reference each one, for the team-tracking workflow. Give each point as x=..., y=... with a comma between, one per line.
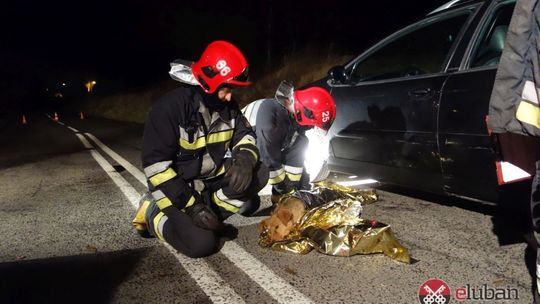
x=280, y=125
x=514, y=105
x=197, y=133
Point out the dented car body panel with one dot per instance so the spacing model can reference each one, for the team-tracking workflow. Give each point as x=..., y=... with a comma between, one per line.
x=411, y=110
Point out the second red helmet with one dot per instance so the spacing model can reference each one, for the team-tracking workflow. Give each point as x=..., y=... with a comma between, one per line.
x=314, y=107
x=220, y=63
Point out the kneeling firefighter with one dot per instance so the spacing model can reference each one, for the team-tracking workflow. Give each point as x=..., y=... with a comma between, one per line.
x=280, y=124
x=197, y=133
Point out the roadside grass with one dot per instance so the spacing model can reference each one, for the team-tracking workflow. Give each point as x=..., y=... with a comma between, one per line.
x=301, y=68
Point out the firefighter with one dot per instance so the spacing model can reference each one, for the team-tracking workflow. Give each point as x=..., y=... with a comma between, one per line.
x=196, y=138
x=280, y=125
x=514, y=109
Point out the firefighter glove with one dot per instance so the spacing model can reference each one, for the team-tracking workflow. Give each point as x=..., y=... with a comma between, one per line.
x=203, y=216
x=240, y=173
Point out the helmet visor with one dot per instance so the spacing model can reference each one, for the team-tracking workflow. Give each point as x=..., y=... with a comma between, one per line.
x=285, y=94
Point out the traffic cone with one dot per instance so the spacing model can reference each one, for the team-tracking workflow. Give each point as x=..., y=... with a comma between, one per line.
x=82, y=116
x=24, y=122
x=55, y=116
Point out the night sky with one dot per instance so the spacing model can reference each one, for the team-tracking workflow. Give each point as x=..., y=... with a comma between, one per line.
x=129, y=44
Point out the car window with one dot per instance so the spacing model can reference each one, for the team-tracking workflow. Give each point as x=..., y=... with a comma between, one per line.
x=490, y=43
x=422, y=50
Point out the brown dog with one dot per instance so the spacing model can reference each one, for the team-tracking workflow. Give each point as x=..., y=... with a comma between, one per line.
x=285, y=215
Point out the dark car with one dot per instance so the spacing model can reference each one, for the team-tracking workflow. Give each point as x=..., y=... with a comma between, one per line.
x=411, y=110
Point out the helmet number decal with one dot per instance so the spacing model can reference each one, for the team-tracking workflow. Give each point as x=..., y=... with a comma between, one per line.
x=223, y=68
x=325, y=116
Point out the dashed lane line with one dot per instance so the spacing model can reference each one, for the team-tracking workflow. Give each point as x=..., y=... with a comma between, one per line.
x=120, y=160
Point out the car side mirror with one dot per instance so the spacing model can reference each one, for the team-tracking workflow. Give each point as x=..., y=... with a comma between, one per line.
x=338, y=74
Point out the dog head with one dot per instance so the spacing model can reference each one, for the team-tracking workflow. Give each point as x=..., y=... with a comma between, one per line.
x=283, y=218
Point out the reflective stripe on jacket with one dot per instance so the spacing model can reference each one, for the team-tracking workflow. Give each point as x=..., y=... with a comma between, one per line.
x=276, y=131
x=184, y=141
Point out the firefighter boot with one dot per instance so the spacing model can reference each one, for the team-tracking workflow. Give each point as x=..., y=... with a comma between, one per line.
x=139, y=222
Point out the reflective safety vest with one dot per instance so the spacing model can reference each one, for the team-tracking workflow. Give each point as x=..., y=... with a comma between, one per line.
x=277, y=132
x=183, y=140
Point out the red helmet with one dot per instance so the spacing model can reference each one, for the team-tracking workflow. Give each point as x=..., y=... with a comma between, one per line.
x=314, y=107
x=220, y=63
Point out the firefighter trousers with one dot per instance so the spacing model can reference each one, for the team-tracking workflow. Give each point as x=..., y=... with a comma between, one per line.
x=177, y=228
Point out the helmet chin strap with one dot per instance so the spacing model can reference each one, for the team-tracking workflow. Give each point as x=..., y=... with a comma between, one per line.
x=211, y=101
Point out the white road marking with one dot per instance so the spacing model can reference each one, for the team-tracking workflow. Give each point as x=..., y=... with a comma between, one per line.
x=73, y=129
x=210, y=282
x=278, y=288
x=120, y=160
x=84, y=141
x=267, y=190
x=126, y=188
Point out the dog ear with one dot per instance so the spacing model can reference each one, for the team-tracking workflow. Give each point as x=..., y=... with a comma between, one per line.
x=262, y=225
x=284, y=216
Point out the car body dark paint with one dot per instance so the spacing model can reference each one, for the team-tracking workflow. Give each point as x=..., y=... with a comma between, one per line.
x=425, y=132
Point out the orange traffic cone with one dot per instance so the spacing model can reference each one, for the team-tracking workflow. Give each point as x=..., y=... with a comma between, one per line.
x=24, y=122
x=55, y=116
x=82, y=116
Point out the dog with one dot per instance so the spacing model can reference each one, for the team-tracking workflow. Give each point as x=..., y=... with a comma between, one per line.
x=285, y=215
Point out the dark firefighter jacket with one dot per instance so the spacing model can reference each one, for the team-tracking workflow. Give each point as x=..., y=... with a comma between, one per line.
x=183, y=141
x=277, y=131
x=514, y=105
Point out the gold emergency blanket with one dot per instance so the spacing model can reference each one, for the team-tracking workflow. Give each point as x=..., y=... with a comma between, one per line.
x=332, y=225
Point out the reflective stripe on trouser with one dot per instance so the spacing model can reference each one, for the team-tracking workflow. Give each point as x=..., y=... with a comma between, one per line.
x=226, y=200
x=229, y=204
x=294, y=174
x=178, y=230
x=276, y=176
x=155, y=217
x=155, y=220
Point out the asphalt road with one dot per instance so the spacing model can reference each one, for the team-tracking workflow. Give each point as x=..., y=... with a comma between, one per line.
x=65, y=213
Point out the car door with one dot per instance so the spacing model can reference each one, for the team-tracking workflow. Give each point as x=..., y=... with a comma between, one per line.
x=387, y=110
x=466, y=150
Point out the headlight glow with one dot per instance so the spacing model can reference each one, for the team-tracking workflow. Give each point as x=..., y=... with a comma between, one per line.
x=316, y=153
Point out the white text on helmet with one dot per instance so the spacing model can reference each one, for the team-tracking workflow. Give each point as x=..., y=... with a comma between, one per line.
x=223, y=68
x=325, y=116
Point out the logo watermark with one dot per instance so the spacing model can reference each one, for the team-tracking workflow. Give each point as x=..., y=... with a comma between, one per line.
x=434, y=291
x=485, y=292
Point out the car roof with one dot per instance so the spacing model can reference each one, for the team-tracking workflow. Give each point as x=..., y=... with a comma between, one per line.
x=452, y=4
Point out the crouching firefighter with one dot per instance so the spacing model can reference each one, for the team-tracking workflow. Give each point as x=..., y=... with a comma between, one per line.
x=280, y=124
x=197, y=133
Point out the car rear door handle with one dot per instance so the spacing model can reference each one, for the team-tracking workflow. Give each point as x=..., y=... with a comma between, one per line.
x=421, y=92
